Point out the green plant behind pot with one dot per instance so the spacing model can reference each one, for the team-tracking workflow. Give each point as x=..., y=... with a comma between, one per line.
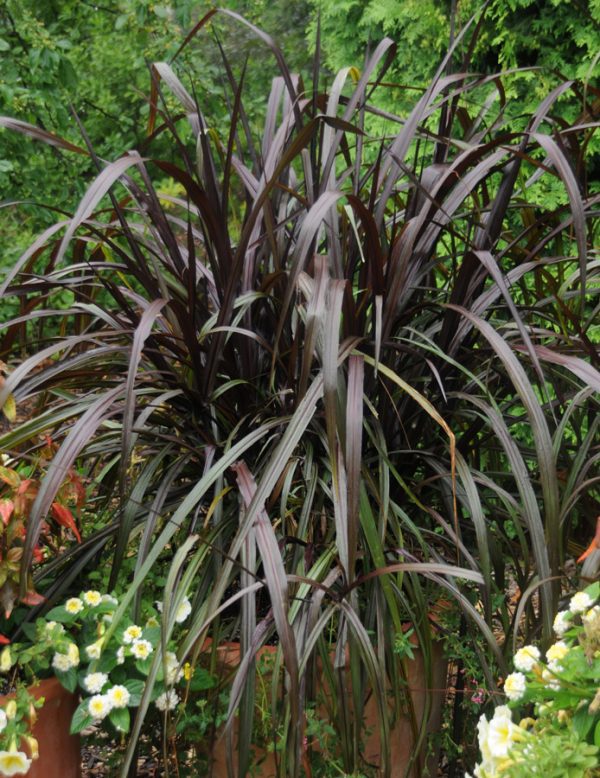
x=353, y=374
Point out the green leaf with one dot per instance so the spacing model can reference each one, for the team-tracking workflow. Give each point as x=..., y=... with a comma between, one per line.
x=68, y=679
x=597, y=735
x=135, y=688
x=4, y=45
x=60, y=614
x=120, y=718
x=583, y=722
x=202, y=680
x=144, y=665
x=81, y=718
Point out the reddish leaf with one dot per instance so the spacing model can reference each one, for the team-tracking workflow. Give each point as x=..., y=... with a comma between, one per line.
x=594, y=545
x=4, y=640
x=24, y=486
x=6, y=509
x=63, y=516
x=32, y=598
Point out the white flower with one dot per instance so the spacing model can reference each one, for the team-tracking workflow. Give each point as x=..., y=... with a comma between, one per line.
x=152, y=622
x=174, y=671
x=99, y=706
x=514, y=686
x=557, y=652
x=120, y=655
x=141, y=649
x=118, y=696
x=94, y=650
x=92, y=598
x=61, y=662
x=580, y=602
x=526, y=658
x=95, y=682
x=132, y=633
x=502, y=732
x=3, y=720
x=74, y=605
x=183, y=610
x=167, y=700
x=562, y=622
x=110, y=598
x=589, y=617
x=53, y=626
x=64, y=662
x=550, y=680
x=14, y=763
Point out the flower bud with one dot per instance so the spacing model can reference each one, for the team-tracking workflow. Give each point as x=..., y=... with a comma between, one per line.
x=5, y=660
x=11, y=709
x=33, y=746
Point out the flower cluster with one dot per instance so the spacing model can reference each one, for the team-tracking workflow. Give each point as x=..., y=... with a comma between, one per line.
x=562, y=738
x=87, y=649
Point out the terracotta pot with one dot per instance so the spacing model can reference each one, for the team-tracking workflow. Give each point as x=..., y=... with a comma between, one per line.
x=60, y=752
x=401, y=737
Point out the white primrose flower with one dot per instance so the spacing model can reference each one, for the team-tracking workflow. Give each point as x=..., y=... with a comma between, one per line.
x=99, y=706
x=556, y=653
x=589, y=617
x=74, y=605
x=183, y=610
x=94, y=650
x=3, y=720
x=64, y=662
x=95, y=682
x=562, y=622
x=109, y=598
x=502, y=732
x=580, y=602
x=118, y=696
x=174, y=671
x=53, y=626
x=61, y=663
x=141, y=649
x=167, y=700
x=527, y=658
x=514, y=686
x=14, y=763
x=120, y=655
x=132, y=633
x=92, y=598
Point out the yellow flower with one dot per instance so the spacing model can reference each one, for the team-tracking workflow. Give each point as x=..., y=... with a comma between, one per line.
x=14, y=763
x=188, y=671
